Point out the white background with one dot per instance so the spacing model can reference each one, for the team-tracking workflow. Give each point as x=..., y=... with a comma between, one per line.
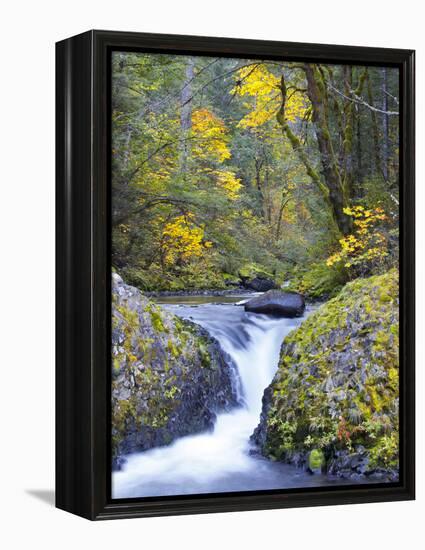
x=29, y=30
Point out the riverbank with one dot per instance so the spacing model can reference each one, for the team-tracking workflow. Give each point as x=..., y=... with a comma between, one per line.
x=169, y=376
x=221, y=459
x=333, y=405
x=253, y=346
x=211, y=292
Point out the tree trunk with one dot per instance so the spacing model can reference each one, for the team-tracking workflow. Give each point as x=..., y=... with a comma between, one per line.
x=186, y=113
x=336, y=180
x=375, y=131
x=258, y=163
x=283, y=202
x=385, y=125
x=337, y=187
x=359, y=150
x=297, y=146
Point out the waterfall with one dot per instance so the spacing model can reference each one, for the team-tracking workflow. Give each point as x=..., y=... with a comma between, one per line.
x=252, y=341
x=219, y=460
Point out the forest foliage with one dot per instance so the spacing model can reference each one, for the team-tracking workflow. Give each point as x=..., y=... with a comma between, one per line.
x=219, y=164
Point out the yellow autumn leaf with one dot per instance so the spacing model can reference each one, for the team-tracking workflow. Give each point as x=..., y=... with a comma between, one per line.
x=211, y=136
x=183, y=240
x=263, y=86
x=229, y=182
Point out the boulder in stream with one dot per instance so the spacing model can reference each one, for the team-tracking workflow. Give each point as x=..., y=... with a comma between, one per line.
x=276, y=302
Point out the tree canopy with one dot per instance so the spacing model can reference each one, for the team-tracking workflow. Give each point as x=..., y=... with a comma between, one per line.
x=220, y=163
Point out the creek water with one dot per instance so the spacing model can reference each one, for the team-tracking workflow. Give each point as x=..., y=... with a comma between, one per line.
x=221, y=460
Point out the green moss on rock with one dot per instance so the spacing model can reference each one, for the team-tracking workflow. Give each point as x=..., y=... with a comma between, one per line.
x=337, y=387
x=250, y=271
x=156, y=319
x=316, y=460
x=169, y=377
x=319, y=281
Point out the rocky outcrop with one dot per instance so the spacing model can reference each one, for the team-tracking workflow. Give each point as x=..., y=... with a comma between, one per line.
x=169, y=377
x=333, y=404
x=276, y=302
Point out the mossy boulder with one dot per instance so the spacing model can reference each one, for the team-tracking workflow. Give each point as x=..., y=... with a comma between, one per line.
x=316, y=460
x=337, y=387
x=169, y=377
x=255, y=277
x=231, y=280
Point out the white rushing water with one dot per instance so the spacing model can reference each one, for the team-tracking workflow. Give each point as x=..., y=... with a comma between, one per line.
x=220, y=460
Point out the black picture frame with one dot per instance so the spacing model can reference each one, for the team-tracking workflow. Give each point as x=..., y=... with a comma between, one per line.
x=83, y=275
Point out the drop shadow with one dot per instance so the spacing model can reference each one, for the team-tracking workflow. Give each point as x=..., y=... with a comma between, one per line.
x=45, y=495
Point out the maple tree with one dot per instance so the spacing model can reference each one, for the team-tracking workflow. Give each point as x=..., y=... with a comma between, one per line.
x=182, y=240
x=212, y=136
x=368, y=242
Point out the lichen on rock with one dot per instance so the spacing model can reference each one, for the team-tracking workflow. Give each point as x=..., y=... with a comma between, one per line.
x=336, y=391
x=169, y=377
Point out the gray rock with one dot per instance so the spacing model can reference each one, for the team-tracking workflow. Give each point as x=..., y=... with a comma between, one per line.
x=276, y=302
x=170, y=377
x=260, y=284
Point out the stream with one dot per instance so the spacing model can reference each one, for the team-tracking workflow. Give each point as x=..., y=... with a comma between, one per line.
x=222, y=460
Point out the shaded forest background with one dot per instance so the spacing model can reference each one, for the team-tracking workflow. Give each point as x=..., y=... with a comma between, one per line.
x=225, y=168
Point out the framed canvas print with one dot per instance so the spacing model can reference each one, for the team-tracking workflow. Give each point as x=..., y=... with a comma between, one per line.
x=235, y=274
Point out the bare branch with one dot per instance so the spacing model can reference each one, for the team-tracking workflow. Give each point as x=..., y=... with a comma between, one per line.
x=393, y=97
x=360, y=101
